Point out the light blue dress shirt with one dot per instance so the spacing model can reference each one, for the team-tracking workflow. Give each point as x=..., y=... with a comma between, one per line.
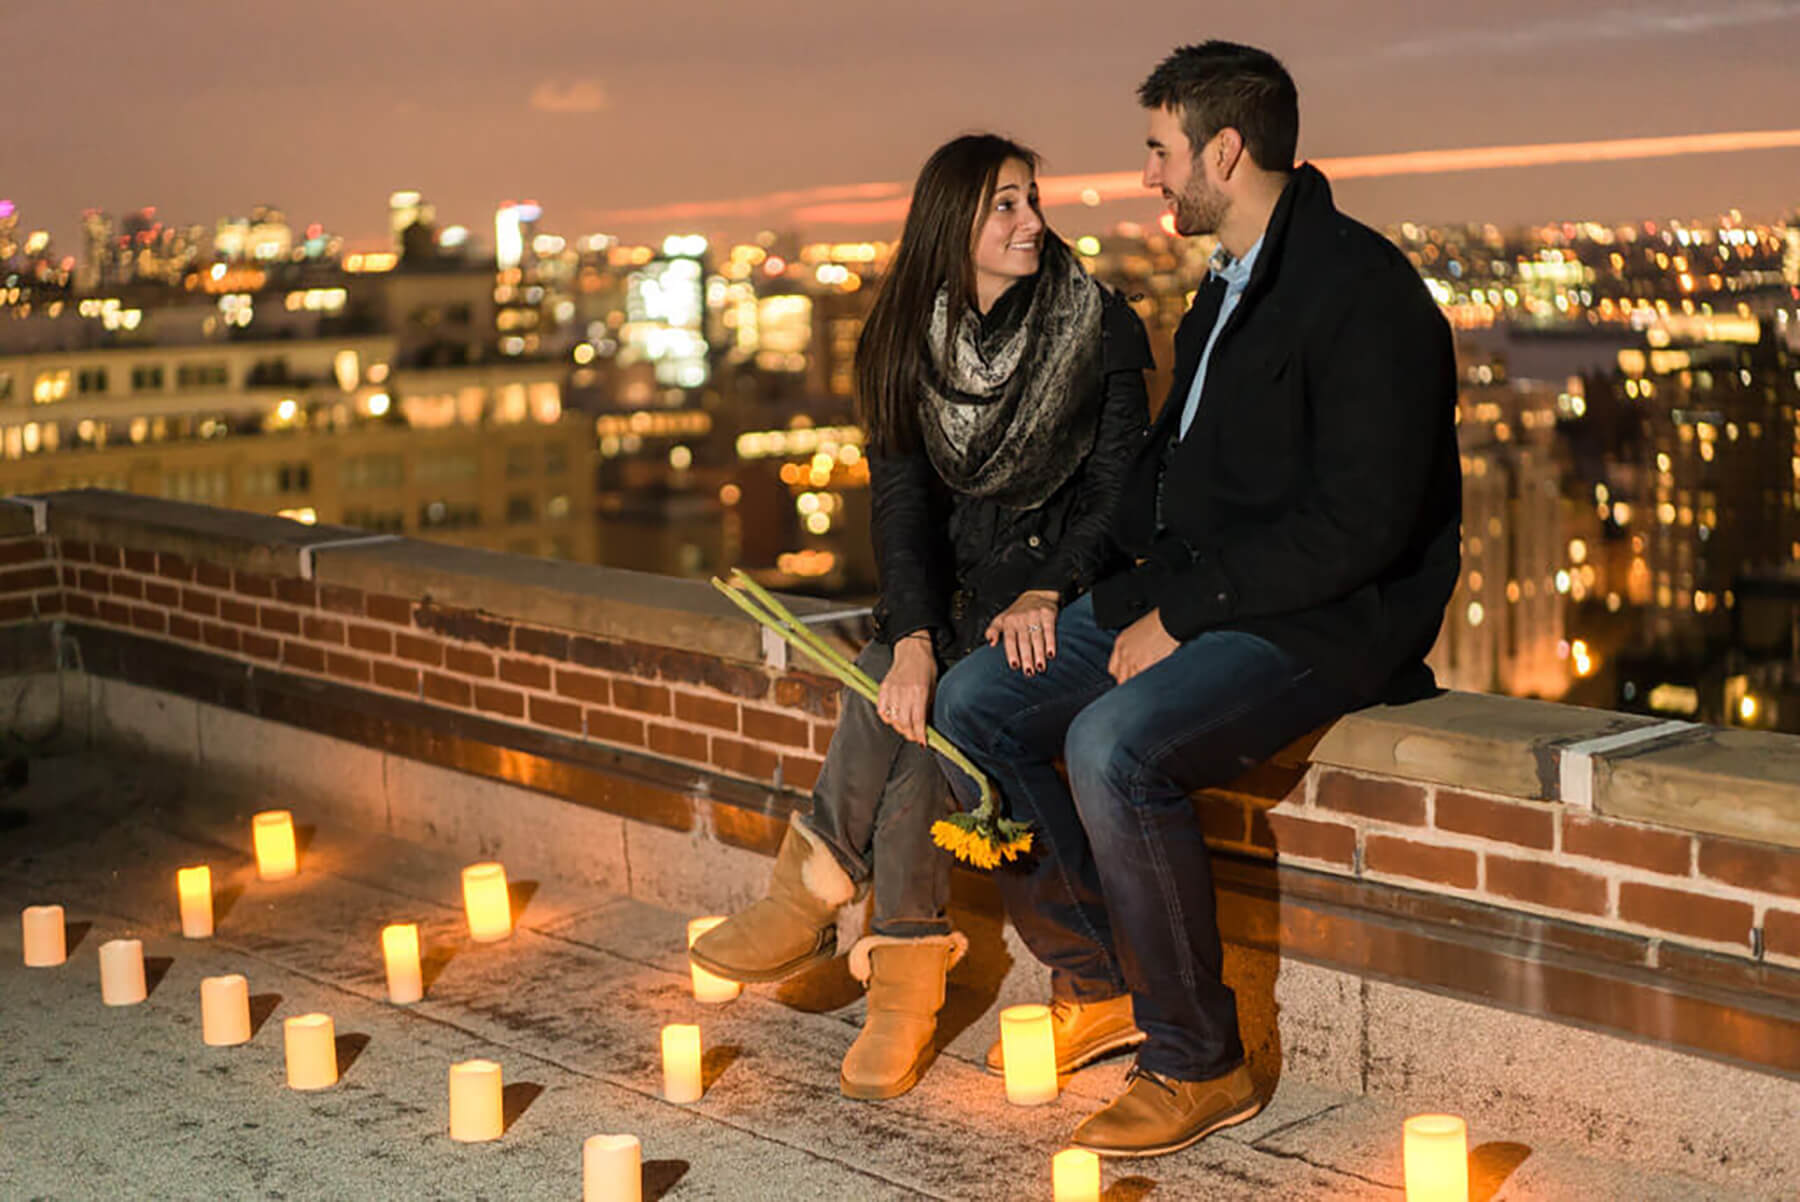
x=1236, y=274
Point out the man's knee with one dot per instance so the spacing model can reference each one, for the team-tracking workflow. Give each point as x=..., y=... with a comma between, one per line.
x=1099, y=751
x=965, y=708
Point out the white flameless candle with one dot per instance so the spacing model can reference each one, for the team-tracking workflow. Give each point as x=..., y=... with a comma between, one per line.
x=1028, y=1047
x=311, y=1051
x=681, y=1063
x=44, y=935
x=194, y=888
x=476, y=1113
x=122, y=972
x=1075, y=1176
x=400, y=948
x=272, y=831
x=707, y=987
x=1436, y=1158
x=485, y=900
x=225, y=1010
x=612, y=1169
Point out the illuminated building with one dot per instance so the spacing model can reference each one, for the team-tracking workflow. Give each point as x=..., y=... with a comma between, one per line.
x=665, y=314
x=9, y=231
x=98, y=236
x=263, y=237
x=515, y=231
x=405, y=210
x=1790, y=251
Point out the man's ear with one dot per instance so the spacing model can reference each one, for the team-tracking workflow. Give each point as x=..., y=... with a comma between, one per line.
x=1228, y=152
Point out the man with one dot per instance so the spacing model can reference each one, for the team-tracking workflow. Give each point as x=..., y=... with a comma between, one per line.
x=1290, y=540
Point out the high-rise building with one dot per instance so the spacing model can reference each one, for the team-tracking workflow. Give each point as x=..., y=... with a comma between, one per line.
x=98, y=233
x=1790, y=251
x=515, y=232
x=405, y=210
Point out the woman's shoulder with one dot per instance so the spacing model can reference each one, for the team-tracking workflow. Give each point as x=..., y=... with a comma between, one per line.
x=1126, y=342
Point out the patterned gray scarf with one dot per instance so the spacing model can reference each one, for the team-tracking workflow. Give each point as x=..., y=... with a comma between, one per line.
x=1014, y=412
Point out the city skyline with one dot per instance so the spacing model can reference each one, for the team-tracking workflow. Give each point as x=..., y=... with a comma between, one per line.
x=594, y=114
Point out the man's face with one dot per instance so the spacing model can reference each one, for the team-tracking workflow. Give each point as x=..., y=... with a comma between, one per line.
x=1179, y=172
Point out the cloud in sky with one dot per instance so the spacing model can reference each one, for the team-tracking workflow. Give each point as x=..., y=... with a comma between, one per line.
x=576, y=96
x=1608, y=25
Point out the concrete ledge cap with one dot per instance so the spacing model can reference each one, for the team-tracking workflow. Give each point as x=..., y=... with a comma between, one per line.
x=1744, y=784
x=226, y=537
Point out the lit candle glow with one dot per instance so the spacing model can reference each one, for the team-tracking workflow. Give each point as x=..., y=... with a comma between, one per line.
x=708, y=987
x=122, y=972
x=400, y=948
x=612, y=1169
x=1075, y=1176
x=311, y=1051
x=272, y=831
x=486, y=902
x=194, y=888
x=225, y=1010
x=476, y=1113
x=1028, y=1048
x=44, y=936
x=681, y=1063
x=1436, y=1154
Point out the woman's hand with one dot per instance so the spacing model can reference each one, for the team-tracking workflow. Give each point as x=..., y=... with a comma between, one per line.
x=1028, y=629
x=904, y=699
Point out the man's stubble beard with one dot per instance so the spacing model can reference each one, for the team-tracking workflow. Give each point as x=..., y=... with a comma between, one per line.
x=1199, y=209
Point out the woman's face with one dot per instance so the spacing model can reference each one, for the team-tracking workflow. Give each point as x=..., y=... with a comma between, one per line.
x=1009, y=236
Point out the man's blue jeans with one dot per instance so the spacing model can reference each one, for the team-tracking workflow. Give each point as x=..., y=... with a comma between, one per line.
x=1118, y=894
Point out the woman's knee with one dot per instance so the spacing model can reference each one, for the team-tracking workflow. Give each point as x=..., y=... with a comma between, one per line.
x=967, y=705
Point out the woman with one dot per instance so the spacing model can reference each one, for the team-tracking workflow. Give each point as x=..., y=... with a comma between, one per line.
x=1003, y=394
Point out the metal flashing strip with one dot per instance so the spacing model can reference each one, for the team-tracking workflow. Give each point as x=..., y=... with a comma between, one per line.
x=775, y=648
x=1575, y=769
x=306, y=553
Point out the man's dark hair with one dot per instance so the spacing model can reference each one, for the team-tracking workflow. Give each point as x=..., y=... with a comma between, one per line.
x=1222, y=85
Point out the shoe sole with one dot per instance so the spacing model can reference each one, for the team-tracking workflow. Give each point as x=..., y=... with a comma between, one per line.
x=881, y=1093
x=1242, y=1116
x=826, y=950
x=1130, y=1040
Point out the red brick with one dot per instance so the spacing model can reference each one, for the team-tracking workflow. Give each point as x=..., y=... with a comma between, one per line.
x=395, y=610
x=508, y=702
x=303, y=655
x=816, y=697
x=1502, y=821
x=1622, y=843
x=547, y=643
x=174, y=567
x=29, y=579
x=583, y=686
x=165, y=595
x=559, y=714
x=1332, y=842
x=347, y=667
x=116, y=612
x=145, y=618
x=1542, y=884
x=261, y=646
x=524, y=672
x=644, y=698
x=446, y=690
x=800, y=772
x=1262, y=836
x=1376, y=798
x=609, y=727
x=371, y=638
x=251, y=584
x=393, y=676
x=140, y=561
x=296, y=591
x=821, y=736
x=212, y=575
x=16, y=609
x=1680, y=912
x=106, y=555
x=74, y=550
x=770, y=727
x=744, y=759
x=48, y=604
x=286, y=621
x=1751, y=866
x=1398, y=856
x=323, y=630
x=237, y=612
x=93, y=581
x=80, y=605
x=420, y=651
x=341, y=600
x=682, y=744
x=707, y=711
x=22, y=550
x=184, y=628
x=1781, y=933
x=469, y=663
x=196, y=602
x=1221, y=817
x=127, y=586
x=223, y=637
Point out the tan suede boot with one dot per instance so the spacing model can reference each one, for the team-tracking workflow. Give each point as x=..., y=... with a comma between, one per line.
x=906, y=990
x=794, y=926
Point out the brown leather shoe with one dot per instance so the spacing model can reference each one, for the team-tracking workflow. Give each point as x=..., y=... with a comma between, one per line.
x=1084, y=1032
x=1157, y=1114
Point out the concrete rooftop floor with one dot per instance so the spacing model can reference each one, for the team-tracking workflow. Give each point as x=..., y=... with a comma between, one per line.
x=128, y=1102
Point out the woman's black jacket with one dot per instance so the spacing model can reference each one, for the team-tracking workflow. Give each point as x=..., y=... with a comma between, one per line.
x=949, y=562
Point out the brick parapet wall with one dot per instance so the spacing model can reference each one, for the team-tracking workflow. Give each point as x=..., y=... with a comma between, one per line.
x=725, y=714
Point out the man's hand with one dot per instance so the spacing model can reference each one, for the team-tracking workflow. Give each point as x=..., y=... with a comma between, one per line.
x=1027, y=627
x=905, y=695
x=1144, y=644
